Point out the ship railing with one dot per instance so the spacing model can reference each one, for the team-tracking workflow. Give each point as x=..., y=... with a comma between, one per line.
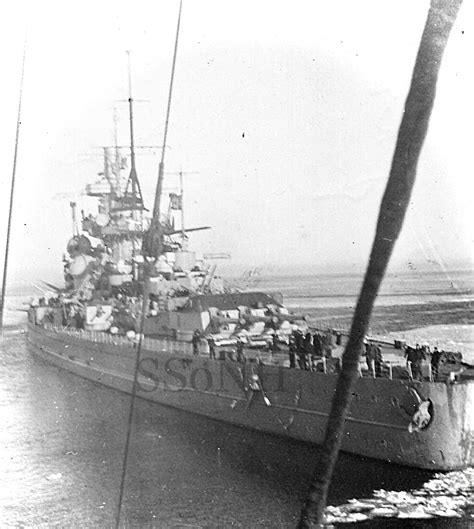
x=167, y=345
x=150, y=344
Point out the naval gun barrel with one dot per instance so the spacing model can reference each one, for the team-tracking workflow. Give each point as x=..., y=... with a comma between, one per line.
x=290, y=317
x=247, y=319
x=223, y=320
x=243, y=319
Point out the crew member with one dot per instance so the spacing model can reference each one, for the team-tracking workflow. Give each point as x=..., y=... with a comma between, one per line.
x=253, y=387
x=240, y=351
x=420, y=356
x=212, y=347
x=275, y=347
x=317, y=345
x=292, y=349
x=327, y=344
x=415, y=357
x=436, y=358
x=303, y=351
x=196, y=340
x=374, y=358
x=299, y=341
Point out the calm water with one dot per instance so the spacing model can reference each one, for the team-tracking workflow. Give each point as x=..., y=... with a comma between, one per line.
x=63, y=438
x=62, y=446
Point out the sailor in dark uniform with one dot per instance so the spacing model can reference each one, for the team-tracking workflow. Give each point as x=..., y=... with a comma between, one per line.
x=292, y=348
x=196, y=340
x=420, y=356
x=309, y=351
x=317, y=345
x=212, y=346
x=415, y=358
x=275, y=347
x=300, y=349
x=436, y=358
x=374, y=358
x=240, y=351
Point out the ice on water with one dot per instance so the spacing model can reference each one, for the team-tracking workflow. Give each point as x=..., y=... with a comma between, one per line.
x=448, y=495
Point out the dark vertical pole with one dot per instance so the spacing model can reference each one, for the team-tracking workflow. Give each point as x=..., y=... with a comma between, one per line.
x=12, y=191
x=411, y=135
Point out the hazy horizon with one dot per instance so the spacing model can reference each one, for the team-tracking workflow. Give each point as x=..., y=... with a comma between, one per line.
x=233, y=271
x=285, y=114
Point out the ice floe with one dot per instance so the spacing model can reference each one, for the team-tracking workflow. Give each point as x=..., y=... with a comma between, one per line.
x=448, y=495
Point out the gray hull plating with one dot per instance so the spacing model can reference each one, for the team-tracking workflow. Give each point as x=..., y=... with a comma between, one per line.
x=299, y=400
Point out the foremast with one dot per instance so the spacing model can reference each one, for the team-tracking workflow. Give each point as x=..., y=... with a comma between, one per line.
x=136, y=197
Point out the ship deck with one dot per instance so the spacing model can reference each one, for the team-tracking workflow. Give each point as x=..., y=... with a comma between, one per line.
x=394, y=361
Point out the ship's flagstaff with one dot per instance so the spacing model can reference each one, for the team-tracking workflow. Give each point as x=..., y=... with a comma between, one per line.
x=180, y=205
x=12, y=191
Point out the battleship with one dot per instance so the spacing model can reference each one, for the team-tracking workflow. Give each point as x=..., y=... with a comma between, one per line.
x=143, y=313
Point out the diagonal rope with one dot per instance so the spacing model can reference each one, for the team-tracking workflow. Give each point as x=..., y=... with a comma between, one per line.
x=131, y=411
x=12, y=192
x=145, y=297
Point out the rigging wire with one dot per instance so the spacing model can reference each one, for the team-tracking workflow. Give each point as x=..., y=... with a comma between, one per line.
x=131, y=412
x=159, y=184
x=145, y=294
x=12, y=191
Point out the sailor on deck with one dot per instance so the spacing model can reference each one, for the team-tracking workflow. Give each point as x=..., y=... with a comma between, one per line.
x=302, y=345
x=317, y=345
x=436, y=358
x=374, y=358
x=240, y=351
x=292, y=348
x=196, y=341
x=415, y=359
x=212, y=346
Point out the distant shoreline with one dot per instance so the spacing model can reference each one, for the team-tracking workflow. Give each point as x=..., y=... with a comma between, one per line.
x=392, y=318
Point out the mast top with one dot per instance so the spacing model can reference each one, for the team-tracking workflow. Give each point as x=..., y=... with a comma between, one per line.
x=131, y=200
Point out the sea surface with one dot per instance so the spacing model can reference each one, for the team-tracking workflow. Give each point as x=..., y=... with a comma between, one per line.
x=62, y=441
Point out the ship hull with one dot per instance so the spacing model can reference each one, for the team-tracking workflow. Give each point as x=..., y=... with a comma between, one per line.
x=292, y=402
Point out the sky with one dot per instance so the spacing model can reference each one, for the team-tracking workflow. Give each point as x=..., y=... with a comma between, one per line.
x=284, y=116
